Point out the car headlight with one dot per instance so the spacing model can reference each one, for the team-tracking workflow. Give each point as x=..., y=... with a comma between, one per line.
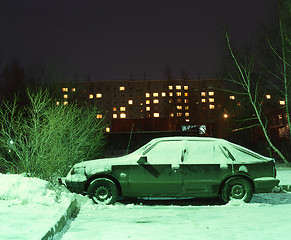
x=77, y=170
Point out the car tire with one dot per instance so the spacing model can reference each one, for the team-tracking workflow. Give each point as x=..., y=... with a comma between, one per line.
x=237, y=188
x=103, y=191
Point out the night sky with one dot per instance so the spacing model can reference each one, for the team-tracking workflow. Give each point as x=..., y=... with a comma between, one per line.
x=110, y=39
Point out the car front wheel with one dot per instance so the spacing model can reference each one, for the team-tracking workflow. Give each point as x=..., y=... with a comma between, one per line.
x=103, y=191
x=237, y=188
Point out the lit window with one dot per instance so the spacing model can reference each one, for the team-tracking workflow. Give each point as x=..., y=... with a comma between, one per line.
x=178, y=94
x=187, y=114
x=186, y=94
x=186, y=107
x=66, y=103
x=187, y=120
x=156, y=115
x=148, y=108
x=122, y=115
x=280, y=116
x=282, y=102
x=58, y=103
x=211, y=93
x=211, y=99
x=225, y=115
x=155, y=94
x=170, y=94
x=141, y=104
x=73, y=89
x=163, y=94
x=232, y=97
x=178, y=87
x=121, y=88
x=172, y=114
x=107, y=129
x=268, y=96
x=170, y=87
x=122, y=109
x=170, y=100
x=211, y=106
x=186, y=100
x=179, y=107
x=186, y=87
x=156, y=101
x=179, y=100
x=147, y=95
x=203, y=100
x=99, y=95
x=203, y=94
x=130, y=102
x=91, y=96
x=114, y=109
x=179, y=114
x=66, y=96
x=99, y=116
x=148, y=101
x=65, y=89
x=114, y=115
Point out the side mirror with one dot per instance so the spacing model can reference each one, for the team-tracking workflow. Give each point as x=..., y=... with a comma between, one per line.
x=142, y=160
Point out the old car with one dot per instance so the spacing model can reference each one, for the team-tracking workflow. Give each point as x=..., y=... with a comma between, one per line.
x=176, y=167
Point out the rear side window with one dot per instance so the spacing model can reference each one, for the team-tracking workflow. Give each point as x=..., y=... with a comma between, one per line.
x=203, y=152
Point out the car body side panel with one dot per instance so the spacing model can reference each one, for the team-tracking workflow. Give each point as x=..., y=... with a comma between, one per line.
x=203, y=180
x=148, y=180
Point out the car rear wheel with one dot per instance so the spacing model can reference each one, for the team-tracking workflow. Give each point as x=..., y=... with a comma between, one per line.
x=103, y=191
x=237, y=188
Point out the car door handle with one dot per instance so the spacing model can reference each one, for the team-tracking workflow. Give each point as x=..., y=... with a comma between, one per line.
x=175, y=169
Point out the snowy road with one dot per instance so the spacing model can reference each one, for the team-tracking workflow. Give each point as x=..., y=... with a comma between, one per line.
x=268, y=216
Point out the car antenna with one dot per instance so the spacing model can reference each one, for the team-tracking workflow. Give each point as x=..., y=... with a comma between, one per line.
x=129, y=138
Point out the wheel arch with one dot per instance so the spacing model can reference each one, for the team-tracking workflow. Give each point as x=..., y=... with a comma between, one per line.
x=234, y=177
x=96, y=176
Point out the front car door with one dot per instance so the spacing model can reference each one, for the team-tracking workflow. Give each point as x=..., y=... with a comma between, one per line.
x=161, y=174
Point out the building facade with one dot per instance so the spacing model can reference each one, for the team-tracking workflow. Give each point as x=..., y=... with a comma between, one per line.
x=182, y=103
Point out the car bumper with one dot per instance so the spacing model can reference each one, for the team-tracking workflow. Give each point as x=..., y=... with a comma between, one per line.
x=76, y=187
x=265, y=184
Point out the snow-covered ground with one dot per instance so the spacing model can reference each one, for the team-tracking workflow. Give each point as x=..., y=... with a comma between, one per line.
x=29, y=207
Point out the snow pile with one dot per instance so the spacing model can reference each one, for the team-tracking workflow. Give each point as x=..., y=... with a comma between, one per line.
x=26, y=190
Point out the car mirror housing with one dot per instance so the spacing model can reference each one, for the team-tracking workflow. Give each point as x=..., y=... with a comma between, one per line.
x=142, y=160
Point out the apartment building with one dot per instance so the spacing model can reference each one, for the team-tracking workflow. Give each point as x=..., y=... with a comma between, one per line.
x=184, y=102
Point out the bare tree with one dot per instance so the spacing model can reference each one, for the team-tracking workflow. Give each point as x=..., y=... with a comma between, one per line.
x=250, y=88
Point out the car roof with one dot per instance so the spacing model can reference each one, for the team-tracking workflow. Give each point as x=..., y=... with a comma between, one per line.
x=187, y=138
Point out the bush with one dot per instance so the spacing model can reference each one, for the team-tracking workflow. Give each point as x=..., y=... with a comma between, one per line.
x=44, y=140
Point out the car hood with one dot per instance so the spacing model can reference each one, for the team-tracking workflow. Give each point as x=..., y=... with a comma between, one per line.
x=102, y=165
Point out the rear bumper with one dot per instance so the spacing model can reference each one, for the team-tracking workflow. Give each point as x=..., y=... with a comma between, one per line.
x=265, y=184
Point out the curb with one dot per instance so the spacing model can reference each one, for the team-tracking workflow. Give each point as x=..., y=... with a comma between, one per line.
x=60, y=224
x=285, y=187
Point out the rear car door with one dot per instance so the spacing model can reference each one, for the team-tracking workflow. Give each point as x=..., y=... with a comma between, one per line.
x=203, y=168
x=160, y=175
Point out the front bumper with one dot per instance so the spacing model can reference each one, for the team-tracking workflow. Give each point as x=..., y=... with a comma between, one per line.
x=265, y=184
x=76, y=187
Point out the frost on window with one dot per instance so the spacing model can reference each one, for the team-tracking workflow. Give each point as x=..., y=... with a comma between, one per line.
x=165, y=152
x=204, y=152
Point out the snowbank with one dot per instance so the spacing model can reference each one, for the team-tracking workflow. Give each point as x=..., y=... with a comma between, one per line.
x=28, y=190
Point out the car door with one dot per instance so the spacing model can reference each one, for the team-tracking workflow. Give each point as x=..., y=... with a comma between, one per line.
x=203, y=168
x=158, y=171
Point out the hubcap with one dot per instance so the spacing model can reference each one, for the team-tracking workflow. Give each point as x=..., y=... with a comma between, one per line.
x=237, y=192
x=102, y=193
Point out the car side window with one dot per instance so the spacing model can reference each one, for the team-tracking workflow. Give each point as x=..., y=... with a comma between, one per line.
x=165, y=152
x=201, y=152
